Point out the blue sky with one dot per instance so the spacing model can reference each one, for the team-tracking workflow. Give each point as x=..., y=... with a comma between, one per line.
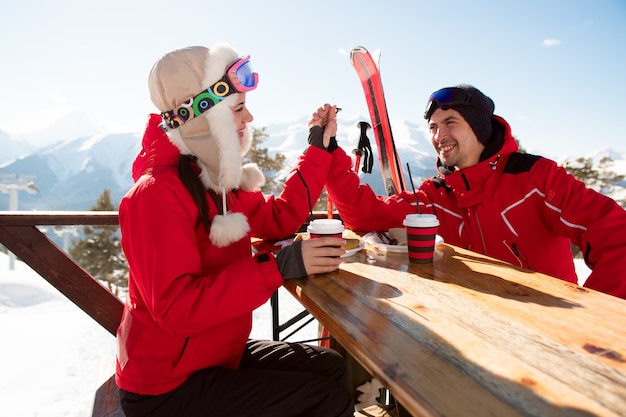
x=555, y=69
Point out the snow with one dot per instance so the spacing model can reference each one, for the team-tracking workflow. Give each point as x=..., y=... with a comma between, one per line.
x=53, y=356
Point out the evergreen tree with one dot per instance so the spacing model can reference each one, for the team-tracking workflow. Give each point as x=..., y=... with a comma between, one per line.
x=601, y=178
x=270, y=166
x=99, y=251
x=608, y=180
x=322, y=202
x=583, y=170
x=519, y=145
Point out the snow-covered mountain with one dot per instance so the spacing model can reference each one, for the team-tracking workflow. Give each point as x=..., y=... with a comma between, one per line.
x=410, y=138
x=72, y=172
x=13, y=148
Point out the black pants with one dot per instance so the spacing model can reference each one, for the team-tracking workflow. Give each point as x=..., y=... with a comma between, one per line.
x=275, y=379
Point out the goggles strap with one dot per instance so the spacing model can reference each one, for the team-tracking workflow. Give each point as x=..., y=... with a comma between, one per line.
x=230, y=83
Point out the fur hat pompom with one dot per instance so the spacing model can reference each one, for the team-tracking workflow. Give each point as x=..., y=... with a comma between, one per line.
x=228, y=228
x=252, y=178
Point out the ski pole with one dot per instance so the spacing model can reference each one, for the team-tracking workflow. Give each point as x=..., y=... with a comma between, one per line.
x=363, y=149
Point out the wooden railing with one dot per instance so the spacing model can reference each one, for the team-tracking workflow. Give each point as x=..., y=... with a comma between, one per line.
x=20, y=234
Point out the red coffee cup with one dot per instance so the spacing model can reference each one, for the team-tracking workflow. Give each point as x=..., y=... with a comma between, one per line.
x=421, y=231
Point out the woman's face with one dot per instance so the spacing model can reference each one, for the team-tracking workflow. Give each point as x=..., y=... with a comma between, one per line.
x=241, y=115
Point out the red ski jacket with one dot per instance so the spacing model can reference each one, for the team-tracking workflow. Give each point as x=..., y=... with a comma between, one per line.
x=519, y=208
x=190, y=303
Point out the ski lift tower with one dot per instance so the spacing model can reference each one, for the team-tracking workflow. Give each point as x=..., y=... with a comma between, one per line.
x=10, y=184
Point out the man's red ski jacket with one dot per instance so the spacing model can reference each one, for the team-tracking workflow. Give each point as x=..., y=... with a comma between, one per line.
x=519, y=208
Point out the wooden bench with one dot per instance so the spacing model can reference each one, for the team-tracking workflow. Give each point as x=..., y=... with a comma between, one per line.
x=107, y=403
x=106, y=400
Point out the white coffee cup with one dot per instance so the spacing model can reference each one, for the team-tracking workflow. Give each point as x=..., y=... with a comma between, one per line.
x=325, y=228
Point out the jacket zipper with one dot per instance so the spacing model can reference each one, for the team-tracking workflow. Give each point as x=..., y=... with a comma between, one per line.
x=523, y=260
x=494, y=165
x=480, y=232
x=480, y=229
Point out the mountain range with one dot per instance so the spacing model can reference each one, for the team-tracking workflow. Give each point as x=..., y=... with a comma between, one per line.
x=71, y=172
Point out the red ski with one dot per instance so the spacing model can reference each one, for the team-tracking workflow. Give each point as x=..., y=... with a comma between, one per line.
x=390, y=165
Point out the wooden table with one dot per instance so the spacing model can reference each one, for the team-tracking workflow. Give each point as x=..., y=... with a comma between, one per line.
x=472, y=336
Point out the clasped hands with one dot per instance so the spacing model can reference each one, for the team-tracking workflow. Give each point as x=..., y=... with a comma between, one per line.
x=323, y=127
x=321, y=254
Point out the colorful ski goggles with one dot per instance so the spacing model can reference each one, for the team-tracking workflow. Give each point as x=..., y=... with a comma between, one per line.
x=239, y=78
x=446, y=98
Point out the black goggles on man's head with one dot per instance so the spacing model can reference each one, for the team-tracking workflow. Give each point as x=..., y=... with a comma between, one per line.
x=446, y=98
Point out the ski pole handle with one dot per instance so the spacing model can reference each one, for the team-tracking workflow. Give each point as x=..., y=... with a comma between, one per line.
x=357, y=162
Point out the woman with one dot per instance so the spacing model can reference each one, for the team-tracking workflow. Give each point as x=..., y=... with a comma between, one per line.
x=186, y=224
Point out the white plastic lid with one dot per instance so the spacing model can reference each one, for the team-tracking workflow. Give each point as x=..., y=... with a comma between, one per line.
x=421, y=220
x=325, y=226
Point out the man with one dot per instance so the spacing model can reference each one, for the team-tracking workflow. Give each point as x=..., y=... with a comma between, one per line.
x=491, y=199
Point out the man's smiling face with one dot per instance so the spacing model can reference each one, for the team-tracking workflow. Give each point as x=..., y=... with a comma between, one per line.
x=454, y=140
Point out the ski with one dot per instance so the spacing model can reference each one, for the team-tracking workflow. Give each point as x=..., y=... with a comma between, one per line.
x=369, y=74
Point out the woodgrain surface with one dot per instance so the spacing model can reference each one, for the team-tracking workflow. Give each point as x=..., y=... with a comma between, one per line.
x=472, y=336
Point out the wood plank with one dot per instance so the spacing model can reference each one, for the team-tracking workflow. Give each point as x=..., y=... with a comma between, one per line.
x=106, y=402
x=49, y=261
x=470, y=335
x=58, y=218
x=394, y=357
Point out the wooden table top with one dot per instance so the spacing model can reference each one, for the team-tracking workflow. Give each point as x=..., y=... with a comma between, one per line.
x=472, y=336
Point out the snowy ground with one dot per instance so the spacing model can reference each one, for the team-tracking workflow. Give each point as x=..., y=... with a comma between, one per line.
x=52, y=355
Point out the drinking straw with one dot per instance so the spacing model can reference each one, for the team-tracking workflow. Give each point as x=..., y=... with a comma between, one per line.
x=419, y=210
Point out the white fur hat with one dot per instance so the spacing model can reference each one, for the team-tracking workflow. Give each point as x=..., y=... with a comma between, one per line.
x=174, y=81
x=176, y=78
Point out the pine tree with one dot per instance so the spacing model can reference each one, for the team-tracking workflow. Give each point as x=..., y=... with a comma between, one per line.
x=601, y=178
x=608, y=180
x=519, y=145
x=99, y=251
x=322, y=202
x=270, y=166
x=583, y=170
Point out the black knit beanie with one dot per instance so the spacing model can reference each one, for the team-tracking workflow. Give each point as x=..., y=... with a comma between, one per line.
x=478, y=114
